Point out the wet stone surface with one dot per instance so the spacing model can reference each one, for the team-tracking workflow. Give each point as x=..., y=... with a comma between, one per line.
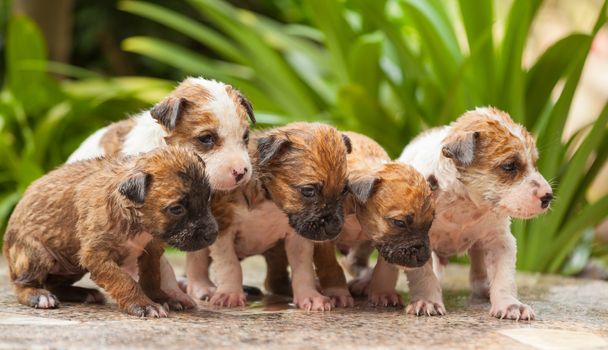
x=571, y=314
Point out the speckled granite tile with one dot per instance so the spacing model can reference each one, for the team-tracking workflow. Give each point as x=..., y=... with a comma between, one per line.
x=566, y=309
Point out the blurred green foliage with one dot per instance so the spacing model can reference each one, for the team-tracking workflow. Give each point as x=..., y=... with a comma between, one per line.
x=387, y=68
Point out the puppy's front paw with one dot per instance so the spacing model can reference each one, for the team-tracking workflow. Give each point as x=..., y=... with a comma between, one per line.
x=200, y=291
x=512, y=311
x=146, y=310
x=179, y=301
x=228, y=299
x=44, y=301
x=313, y=303
x=340, y=297
x=359, y=286
x=425, y=308
x=385, y=299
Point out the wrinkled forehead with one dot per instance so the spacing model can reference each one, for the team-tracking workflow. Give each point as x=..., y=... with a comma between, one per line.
x=405, y=195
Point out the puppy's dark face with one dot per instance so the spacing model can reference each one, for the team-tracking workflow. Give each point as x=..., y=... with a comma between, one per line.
x=302, y=167
x=396, y=207
x=172, y=193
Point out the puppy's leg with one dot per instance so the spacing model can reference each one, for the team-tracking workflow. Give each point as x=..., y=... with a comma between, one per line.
x=425, y=292
x=500, y=254
x=199, y=285
x=29, y=265
x=382, y=290
x=300, y=255
x=330, y=274
x=62, y=287
x=478, y=276
x=119, y=284
x=228, y=272
x=150, y=277
x=356, y=261
x=277, y=277
x=169, y=285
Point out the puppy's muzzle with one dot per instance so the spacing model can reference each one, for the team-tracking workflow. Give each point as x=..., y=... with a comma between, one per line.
x=195, y=236
x=323, y=228
x=407, y=254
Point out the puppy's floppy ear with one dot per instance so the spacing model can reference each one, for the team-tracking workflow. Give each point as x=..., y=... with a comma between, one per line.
x=135, y=187
x=168, y=111
x=460, y=147
x=347, y=143
x=433, y=183
x=363, y=188
x=270, y=147
x=247, y=105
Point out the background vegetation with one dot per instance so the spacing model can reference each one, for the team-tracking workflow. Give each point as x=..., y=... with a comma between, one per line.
x=387, y=68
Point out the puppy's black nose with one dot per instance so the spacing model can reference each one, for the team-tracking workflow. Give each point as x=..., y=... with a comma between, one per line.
x=546, y=200
x=238, y=176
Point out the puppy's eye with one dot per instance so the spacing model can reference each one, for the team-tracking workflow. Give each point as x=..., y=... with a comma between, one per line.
x=345, y=190
x=246, y=137
x=308, y=191
x=509, y=167
x=207, y=140
x=176, y=210
x=398, y=223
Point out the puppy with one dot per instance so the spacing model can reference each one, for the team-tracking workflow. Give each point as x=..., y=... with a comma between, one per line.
x=97, y=216
x=391, y=207
x=486, y=168
x=206, y=115
x=296, y=196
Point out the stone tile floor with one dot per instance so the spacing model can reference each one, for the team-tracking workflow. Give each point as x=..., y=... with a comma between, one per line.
x=572, y=314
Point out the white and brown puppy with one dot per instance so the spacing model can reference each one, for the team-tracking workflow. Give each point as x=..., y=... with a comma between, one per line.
x=296, y=196
x=206, y=115
x=486, y=168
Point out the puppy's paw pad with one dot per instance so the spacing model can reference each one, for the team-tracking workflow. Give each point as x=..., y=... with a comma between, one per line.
x=233, y=299
x=44, y=301
x=425, y=308
x=385, y=299
x=514, y=311
x=95, y=297
x=152, y=310
x=315, y=303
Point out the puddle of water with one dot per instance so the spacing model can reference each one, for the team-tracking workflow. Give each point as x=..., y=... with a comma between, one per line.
x=555, y=339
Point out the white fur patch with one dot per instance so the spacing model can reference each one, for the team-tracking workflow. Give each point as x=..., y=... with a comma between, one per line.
x=90, y=148
x=146, y=135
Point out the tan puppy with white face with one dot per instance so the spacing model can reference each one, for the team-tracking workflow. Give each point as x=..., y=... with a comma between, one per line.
x=295, y=196
x=486, y=168
x=207, y=115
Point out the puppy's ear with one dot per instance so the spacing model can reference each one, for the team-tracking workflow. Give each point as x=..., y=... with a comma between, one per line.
x=433, y=183
x=270, y=147
x=168, y=111
x=246, y=104
x=347, y=143
x=135, y=187
x=460, y=147
x=363, y=188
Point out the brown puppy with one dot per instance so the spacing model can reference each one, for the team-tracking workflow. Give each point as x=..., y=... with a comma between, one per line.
x=296, y=195
x=97, y=216
x=391, y=207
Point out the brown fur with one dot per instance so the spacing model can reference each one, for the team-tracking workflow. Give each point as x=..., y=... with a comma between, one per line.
x=87, y=216
x=115, y=135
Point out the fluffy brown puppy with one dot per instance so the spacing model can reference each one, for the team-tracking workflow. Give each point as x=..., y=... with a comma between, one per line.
x=295, y=196
x=97, y=216
x=391, y=207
